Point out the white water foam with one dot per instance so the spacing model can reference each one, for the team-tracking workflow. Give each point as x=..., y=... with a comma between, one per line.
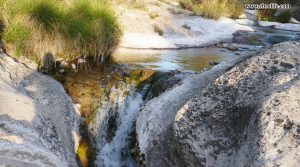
x=116, y=153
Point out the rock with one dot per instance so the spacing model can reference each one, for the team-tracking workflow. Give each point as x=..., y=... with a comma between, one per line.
x=231, y=122
x=156, y=119
x=28, y=63
x=63, y=64
x=61, y=71
x=38, y=122
x=228, y=118
x=293, y=20
x=288, y=125
x=213, y=63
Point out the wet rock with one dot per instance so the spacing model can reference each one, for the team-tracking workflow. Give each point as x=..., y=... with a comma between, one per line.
x=228, y=46
x=213, y=63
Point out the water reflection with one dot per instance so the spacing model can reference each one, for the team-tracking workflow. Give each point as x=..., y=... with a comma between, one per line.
x=194, y=59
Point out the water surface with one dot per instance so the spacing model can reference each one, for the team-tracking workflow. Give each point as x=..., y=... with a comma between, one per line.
x=193, y=59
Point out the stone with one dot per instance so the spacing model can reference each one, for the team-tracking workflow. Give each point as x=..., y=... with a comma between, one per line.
x=228, y=116
x=39, y=125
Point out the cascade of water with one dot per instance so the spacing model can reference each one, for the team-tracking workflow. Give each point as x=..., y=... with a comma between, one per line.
x=116, y=153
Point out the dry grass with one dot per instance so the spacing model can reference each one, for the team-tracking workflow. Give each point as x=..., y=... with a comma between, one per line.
x=68, y=28
x=135, y=4
x=158, y=30
x=214, y=8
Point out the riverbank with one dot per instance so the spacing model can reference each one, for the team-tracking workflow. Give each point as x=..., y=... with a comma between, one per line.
x=164, y=25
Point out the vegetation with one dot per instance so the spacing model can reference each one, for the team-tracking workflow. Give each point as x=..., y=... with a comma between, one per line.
x=135, y=4
x=83, y=152
x=273, y=14
x=63, y=28
x=153, y=15
x=266, y=14
x=214, y=8
x=158, y=30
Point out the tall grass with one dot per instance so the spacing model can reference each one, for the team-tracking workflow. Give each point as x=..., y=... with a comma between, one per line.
x=214, y=8
x=64, y=28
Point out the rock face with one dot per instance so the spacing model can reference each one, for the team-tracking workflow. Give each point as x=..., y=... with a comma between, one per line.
x=38, y=123
x=155, y=121
x=248, y=116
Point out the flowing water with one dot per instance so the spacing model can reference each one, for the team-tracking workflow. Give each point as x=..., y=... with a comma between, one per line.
x=116, y=153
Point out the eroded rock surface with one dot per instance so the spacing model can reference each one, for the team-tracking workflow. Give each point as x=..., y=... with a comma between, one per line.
x=248, y=116
x=38, y=122
x=245, y=114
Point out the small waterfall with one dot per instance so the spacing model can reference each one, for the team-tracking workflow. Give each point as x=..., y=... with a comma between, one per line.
x=116, y=153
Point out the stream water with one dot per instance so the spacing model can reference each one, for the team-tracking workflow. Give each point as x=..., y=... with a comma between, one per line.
x=193, y=59
x=116, y=153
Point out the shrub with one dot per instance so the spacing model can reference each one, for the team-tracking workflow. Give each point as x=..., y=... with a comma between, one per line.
x=284, y=17
x=67, y=28
x=187, y=4
x=1, y=29
x=158, y=30
x=269, y=14
x=214, y=8
x=153, y=15
x=266, y=14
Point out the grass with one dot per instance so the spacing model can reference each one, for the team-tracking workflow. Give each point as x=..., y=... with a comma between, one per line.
x=134, y=4
x=270, y=14
x=67, y=28
x=153, y=15
x=158, y=30
x=214, y=8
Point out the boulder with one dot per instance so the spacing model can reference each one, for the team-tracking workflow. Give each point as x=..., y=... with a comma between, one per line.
x=249, y=116
x=245, y=113
x=38, y=122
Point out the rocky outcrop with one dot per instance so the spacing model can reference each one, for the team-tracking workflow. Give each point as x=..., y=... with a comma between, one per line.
x=155, y=121
x=38, y=122
x=248, y=116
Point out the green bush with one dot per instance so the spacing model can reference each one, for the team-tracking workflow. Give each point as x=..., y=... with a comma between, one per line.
x=67, y=28
x=284, y=17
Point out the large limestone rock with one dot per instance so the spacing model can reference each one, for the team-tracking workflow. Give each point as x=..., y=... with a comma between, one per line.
x=155, y=121
x=249, y=116
x=38, y=123
x=245, y=115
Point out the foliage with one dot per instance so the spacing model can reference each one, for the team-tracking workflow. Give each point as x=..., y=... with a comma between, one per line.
x=284, y=17
x=153, y=15
x=158, y=30
x=266, y=14
x=67, y=29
